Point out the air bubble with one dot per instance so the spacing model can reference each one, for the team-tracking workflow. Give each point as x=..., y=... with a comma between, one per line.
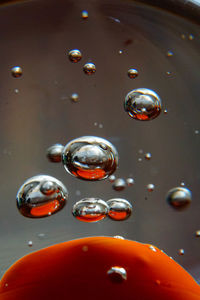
x=111, y=178
x=89, y=68
x=54, y=153
x=41, y=196
x=117, y=274
x=74, y=97
x=90, y=210
x=84, y=14
x=168, y=73
x=165, y=111
x=191, y=37
x=142, y=104
x=130, y=181
x=16, y=91
x=119, y=184
x=150, y=187
x=197, y=233
x=170, y=53
x=132, y=73
x=147, y=156
x=30, y=243
x=75, y=55
x=181, y=252
x=120, y=51
x=179, y=197
x=90, y=158
x=196, y=131
x=119, y=237
x=16, y=72
x=119, y=209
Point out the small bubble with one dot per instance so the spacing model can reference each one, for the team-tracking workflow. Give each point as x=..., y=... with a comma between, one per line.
x=132, y=73
x=150, y=187
x=196, y=131
x=111, y=178
x=16, y=91
x=117, y=274
x=139, y=159
x=182, y=183
x=142, y=104
x=191, y=37
x=181, y=252
x=170, y=53
x=85, y=158
x=89, y=68
x=16, y=72
x=74, y=97
x=119, y=209
x=140, y=151
x=36, y=199
x=179, y=197
x=41, y=235
x=130, y=181
x=148, y=156
x=168, y=73
x=90, y=210
x=120, y=51
x=95, y=123
x=54, y=153
x=84, y=14
x=165, y=111
x=100, y=126
x=119, y=184
x=75, y=55
x=183, y=36
x=152, y=248
x=30, y=243
x=197, y=233
x=119, y=237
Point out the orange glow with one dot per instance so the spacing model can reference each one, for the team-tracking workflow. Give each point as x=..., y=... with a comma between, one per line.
x=65, y=271
x=45, y=209
x=91, y=174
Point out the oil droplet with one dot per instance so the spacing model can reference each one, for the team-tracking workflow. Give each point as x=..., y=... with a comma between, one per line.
x=90, y=158
x=111, y=178
x=89, y=68
x=130, y=181
x=148, y=156
x=142, y=104
x=75, y=55
x=170, y=53
x=54, y=153
x=197, y=233
x=16, y=72
x=119, y=209
x=181, y=252
x=41, y=196
x=150, y=187
x=74, y=97
x=117, y=274
x=119, y=184
x=84, y=14
x=132, y=73
x=90, y=210
x=179, y=197
x=30, y=243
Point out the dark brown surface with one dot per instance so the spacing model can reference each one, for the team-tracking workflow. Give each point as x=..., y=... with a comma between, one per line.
x=36, y=36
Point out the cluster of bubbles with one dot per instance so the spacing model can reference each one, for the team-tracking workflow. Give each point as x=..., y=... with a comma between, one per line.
x=119, y=184
x=75, y=56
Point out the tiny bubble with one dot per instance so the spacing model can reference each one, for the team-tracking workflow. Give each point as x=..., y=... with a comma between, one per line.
x=120, y=51
x=191, y=37
x=16, y=72
x=170, y=53
x=181, y=252
x=84, y=14
x=147, y=156
x=16, y=91
x=130, y=181
x=196, y=131
x=30, y=243
x=183, y=36
x=74, y=97
x=150, y=187
x=197, y=233
x=165, y=111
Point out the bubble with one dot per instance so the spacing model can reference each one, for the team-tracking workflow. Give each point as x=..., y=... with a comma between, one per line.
x=89, y=68
x=117, y=274
x=152, y=248
x=179, y=197
x=197, y=233
x=168, y=73
x=191, y=37
x=111, y=178
x=119, y=237
x=132, y=73
x=165, y=111
x=84, y=14
x=147, y=156
x=90, y=158
x=182, y=183
x=119, y=184
x=142, y=104
x=130, y=181
x=139, y=159
x=150, y=187
x=196, y=131
x=170, y=53
x=30, y=243
x=119, y=209
x=54, y=153
x=74, y=97
x=181, y=252
x=41, y=196
x=16, y=72
x=16, y=91
x=120, y=51
x=183, y=36
x=90, y=210
x=75, y=55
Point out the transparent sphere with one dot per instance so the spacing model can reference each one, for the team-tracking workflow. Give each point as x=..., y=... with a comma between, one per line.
x=54, y=153
x=119, y=209
x=41, y=196
x=90, y=158
x=75, y=55
x=142, y=104
x=179, y=197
